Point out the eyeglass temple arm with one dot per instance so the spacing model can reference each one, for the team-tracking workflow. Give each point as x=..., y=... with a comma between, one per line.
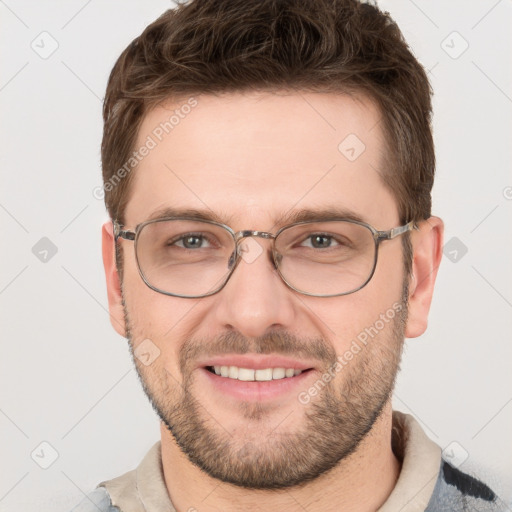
x=119, y=232
x=394, y=232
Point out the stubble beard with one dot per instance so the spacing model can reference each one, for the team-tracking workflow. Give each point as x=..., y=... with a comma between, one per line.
x=333, y=424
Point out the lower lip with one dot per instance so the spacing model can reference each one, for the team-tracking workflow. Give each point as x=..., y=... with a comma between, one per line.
x=257, y=391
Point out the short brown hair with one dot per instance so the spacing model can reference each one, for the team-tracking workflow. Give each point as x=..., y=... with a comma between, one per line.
x=218, y=46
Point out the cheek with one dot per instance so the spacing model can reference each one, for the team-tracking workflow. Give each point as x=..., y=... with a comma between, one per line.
x=159, y=324
x=388, y=280
x=369, y=310
x=150, y=312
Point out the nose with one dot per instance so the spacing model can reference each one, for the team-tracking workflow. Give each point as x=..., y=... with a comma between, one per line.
x=255, y=299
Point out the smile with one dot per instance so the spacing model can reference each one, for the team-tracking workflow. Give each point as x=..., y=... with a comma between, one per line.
x=251, y=374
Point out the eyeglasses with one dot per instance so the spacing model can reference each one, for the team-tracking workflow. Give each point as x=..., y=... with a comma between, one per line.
x=190, y=258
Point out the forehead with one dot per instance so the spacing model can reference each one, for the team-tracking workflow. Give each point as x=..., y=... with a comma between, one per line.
x=251, y=157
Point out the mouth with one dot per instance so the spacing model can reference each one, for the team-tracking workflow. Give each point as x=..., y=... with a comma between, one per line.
x=254, y=377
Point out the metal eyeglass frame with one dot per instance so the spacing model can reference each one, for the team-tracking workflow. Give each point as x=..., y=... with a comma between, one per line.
x=378, y=237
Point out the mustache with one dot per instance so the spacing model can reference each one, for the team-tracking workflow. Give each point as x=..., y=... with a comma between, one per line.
x=273, y=342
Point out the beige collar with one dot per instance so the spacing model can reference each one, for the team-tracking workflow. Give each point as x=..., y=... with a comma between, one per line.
x=144, y=489
x=421, y=460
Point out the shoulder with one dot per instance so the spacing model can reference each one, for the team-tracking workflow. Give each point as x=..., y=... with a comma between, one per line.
x=458, y=491
x=97, y=500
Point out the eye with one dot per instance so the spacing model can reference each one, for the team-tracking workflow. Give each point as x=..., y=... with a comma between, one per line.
x=319, y=241
x=191, y=241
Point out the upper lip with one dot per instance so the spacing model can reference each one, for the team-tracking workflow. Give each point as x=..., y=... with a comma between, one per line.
x=257, y=362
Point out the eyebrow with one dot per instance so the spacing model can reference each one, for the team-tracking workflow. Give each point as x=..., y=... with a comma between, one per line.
x=283, y=219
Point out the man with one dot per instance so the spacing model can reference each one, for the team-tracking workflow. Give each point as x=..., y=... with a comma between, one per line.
x=268, y=169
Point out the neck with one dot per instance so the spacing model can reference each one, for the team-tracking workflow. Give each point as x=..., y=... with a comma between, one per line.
x=360, y=483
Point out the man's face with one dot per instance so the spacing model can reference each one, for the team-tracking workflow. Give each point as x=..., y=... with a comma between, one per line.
x=253, y=158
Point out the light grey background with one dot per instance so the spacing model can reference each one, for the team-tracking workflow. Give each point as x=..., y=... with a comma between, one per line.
x=66, y=376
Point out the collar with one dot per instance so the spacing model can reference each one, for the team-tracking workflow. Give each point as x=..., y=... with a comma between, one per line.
x=421, y=460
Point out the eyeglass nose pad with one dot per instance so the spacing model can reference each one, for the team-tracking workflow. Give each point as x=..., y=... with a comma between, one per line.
x=277, y=259
x=232, y=258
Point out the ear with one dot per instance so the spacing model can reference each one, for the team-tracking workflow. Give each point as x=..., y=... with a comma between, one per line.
x=115, y=304
x=427, y=245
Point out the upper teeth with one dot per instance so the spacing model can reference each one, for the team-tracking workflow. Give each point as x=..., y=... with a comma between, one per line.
x=248, y=374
